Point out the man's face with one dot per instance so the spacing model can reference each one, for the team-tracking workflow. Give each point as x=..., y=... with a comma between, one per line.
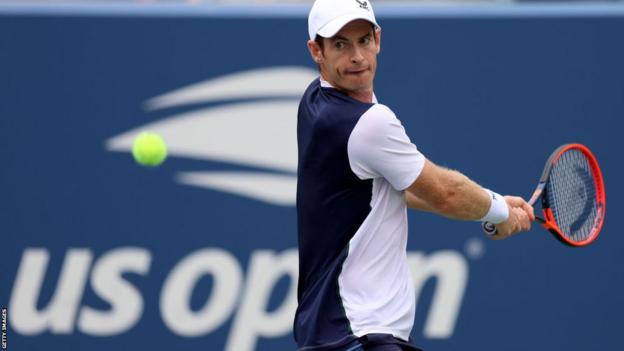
x=349, y=59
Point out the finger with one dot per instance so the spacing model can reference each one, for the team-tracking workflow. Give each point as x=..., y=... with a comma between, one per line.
x=502, y=236
x=525, y=221
x=496, y=237
x=529, y=210
x=522, y=220
x=499, y=233
x=509, y=227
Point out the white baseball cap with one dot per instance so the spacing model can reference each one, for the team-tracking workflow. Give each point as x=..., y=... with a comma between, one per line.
x=327, y=17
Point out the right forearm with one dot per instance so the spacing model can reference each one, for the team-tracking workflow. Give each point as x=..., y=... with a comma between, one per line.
x=463, y=198
x=450, y=193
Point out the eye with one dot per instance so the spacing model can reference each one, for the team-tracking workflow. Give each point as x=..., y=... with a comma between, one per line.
x=366, y=40
x=339, y=45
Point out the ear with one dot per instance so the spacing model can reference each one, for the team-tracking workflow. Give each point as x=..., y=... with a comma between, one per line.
x=378, y=39
x=315, y=51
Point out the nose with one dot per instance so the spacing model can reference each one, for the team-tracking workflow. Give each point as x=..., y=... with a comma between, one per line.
x=357, y=56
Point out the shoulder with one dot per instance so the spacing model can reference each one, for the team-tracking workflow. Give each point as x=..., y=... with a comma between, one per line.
x=378, y=120
x=381, y=110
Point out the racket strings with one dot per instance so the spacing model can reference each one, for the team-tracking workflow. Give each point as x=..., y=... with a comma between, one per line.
x=571, y=193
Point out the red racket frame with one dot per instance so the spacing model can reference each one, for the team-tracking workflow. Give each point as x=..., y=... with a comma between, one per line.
x=548, y=221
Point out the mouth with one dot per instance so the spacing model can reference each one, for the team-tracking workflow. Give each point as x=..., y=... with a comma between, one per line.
x=357, y=72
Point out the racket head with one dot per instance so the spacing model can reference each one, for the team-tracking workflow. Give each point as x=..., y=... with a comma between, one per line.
x=573, y=196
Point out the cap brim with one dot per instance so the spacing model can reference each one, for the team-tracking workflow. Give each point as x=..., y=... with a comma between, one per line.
x=333, y=27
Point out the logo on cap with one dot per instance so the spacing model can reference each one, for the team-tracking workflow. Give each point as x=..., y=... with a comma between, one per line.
x=363, y=4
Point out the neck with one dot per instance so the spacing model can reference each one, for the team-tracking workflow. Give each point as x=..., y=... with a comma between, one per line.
x=360, y=95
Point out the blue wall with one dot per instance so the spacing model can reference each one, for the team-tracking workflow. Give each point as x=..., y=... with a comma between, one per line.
x=489, y=95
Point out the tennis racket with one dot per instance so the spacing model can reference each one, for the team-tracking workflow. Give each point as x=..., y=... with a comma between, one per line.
x=573, y=196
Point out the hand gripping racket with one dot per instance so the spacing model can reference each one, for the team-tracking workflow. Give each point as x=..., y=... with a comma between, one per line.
x=573, y=196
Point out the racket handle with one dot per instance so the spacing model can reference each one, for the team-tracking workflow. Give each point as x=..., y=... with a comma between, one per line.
x=489, y=228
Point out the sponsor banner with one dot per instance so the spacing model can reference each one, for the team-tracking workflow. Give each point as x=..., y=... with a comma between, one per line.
x=200, y=253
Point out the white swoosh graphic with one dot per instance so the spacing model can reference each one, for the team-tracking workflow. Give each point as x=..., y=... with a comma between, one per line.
x=266, y=82
x=275, y=189
x=261, y=134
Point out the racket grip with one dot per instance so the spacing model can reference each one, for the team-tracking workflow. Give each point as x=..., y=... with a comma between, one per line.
x=489, y=228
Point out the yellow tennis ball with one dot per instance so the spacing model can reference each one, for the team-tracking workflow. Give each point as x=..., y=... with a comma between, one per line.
x=149, y=149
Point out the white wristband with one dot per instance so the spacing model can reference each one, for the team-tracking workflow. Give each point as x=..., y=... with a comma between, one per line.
x=499, y=212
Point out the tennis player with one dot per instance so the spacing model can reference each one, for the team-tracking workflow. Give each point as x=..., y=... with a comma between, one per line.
x=358, y=172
